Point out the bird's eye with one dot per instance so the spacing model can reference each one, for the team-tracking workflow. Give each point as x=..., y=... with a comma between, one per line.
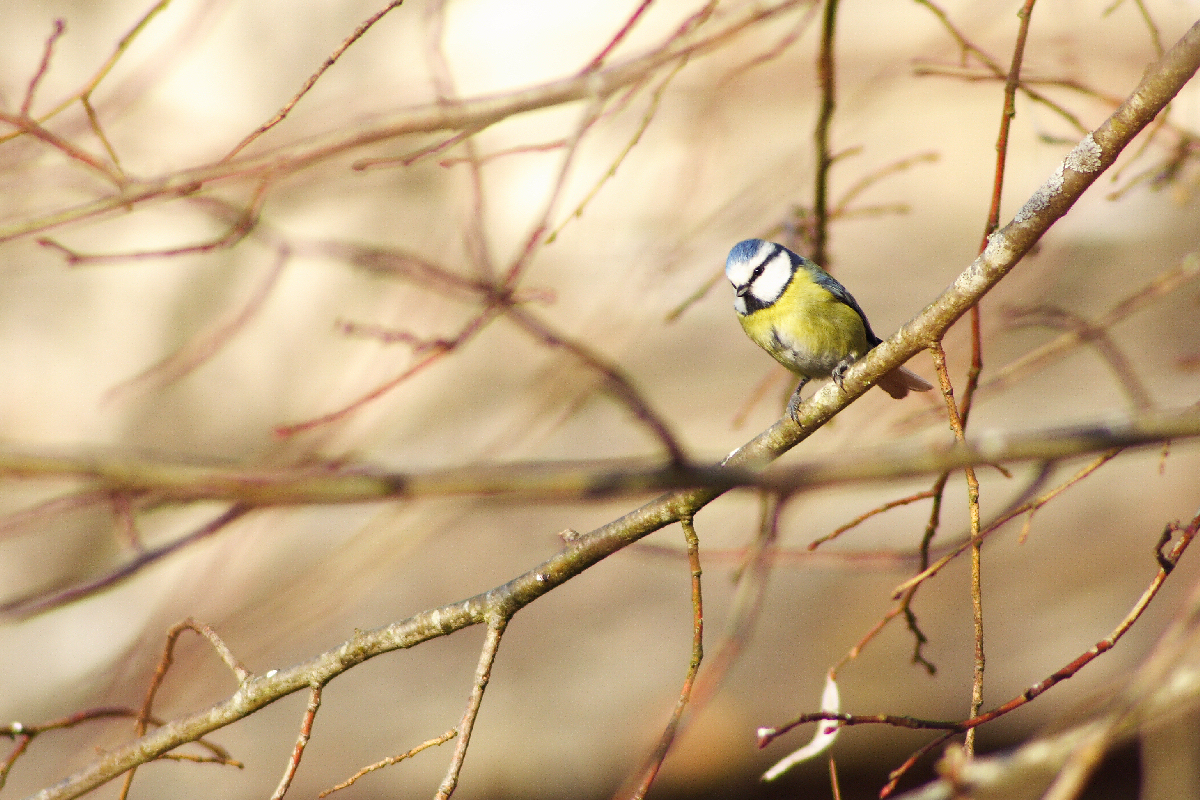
x=757, y=272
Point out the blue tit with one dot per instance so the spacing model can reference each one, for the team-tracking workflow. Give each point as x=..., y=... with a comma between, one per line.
x=804, y=318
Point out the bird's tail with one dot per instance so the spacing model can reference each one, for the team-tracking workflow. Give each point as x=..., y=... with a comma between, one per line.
x=899, y=381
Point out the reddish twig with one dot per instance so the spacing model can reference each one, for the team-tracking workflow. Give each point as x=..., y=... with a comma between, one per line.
x=313, y=78
x=23, y=734
x=36, y=130
x=145, y=717
x=60, y=28
x=310, y=716
x=244, y=222
x=619, y=384
x=1167, y=563
x=654, y=763
x=598, y=61
x=202, y=347
x=39, y=602
x=854, y=523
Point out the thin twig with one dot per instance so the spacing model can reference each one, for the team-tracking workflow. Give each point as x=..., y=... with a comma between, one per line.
x=306, y=724
x=241, y=226
x=313, y=78
x=655, y=761
x=38, y=602
x=1167, y=563
x=70, y=150
x=598, y=61
x=23, y=734
x=1162, y=285
x=956, y=423
x=389, y=761
x=436, y=353
x=596, y=86
x=60, y=28
x=84, y=94
x=201, y=348
x=475, y=235
x=145, y=715
x=483, y=673
x=619, y=384
x=861, y=518
x=826, y=78
x=1109, y=351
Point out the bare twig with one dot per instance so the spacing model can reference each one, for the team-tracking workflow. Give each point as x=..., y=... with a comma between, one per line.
x=38, y=602
x=827, y=78
x=310, y=716
x=598, y=61
x=23, y=734
x=434, y=354
x=336, y=482
x=70, y=150
x=389, y=761
x=1109, y=351
x=655, y=761
x=617, y=382
x=202, y=348
x=860, y=519
x=483, y=674
x=1094, y=747
x=1162, y=285
x=242, y=224
x=60, y=28
x=84, y=94
x=145, y=716
x=313, y=78
x=1169, y=560
x=475, y=113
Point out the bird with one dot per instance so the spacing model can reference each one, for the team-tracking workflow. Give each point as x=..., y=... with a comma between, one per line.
x=804, y=318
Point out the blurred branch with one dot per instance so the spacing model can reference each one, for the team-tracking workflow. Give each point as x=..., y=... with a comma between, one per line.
x=313, y=78
x=1167, y=282
x=1122, y=367
x=993, y=69
x=827, y=79
x=618, y=384
x=40, y=601
x=586, y=483
x=60, y=27
x=474, y=113
x=333, y=482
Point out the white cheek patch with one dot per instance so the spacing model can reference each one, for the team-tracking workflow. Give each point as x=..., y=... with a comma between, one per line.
x=776, y=275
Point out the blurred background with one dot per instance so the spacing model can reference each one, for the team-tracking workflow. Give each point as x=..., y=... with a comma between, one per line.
x=175, y=345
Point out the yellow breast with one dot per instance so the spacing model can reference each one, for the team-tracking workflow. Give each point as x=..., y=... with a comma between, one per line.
x=808, y=330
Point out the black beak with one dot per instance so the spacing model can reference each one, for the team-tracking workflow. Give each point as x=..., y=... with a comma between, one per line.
x=741, y=290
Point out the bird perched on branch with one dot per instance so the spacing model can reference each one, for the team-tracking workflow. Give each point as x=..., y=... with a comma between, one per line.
x=804, y=318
